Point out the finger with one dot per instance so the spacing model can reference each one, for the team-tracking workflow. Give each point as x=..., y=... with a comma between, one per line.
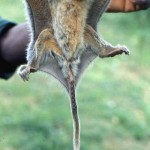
x=141, y=4
x=129, y=6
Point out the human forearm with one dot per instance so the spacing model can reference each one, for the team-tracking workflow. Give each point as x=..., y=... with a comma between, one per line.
x=13, y=44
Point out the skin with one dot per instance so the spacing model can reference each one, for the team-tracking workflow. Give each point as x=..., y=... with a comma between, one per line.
x=13, y=49
x=128, y=5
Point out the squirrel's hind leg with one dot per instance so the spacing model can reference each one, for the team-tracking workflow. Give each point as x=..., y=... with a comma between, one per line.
x=44, y=45
x=101, y=47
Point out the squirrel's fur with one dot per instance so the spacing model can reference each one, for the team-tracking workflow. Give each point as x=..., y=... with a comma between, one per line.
x=64, y=41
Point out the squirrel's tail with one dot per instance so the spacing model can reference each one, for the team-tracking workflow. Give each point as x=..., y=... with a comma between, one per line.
x=74, y=108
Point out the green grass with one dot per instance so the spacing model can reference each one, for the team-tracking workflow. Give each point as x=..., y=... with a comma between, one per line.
x=113, y=96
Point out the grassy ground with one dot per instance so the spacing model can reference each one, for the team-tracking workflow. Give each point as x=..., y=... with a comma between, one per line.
x=113, y=96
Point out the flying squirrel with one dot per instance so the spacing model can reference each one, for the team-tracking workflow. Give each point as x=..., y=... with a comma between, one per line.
x=64, y=41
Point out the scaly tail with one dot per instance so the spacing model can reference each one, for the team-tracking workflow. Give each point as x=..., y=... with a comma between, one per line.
x=74, y=107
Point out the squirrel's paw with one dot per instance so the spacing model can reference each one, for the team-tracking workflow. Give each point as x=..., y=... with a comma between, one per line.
x=117, y=50
x=122, y=49
x=24, y=72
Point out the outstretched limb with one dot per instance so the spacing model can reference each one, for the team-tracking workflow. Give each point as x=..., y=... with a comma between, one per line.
x=44, y=45
x=101, y=47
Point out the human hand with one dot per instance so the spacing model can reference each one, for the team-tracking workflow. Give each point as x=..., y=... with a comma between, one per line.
x=128, y=5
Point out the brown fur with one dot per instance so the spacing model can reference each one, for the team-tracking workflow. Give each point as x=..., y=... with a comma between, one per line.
x=63, y=44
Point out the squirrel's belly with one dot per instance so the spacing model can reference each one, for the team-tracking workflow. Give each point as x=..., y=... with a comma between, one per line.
x=68, y=28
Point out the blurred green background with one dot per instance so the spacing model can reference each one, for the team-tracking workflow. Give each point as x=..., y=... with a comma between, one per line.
x=113, y=96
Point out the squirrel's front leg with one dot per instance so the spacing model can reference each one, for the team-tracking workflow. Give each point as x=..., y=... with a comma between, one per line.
x=101, y=47
x=44, y=45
